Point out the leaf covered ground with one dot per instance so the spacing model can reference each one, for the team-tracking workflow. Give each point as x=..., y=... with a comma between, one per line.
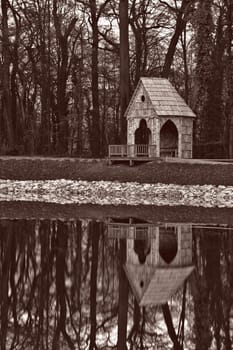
x=116, y=193
x=179, y=172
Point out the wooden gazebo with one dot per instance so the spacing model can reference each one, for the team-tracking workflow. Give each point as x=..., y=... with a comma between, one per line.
x=159, y=124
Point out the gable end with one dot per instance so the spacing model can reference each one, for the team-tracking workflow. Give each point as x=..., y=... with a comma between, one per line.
x=140, y=103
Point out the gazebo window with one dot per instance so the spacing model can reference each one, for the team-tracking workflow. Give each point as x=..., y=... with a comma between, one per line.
x=143, y=98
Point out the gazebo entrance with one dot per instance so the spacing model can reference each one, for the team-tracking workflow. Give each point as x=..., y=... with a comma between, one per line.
x=142, y=134
x=142, y=139
x=169, y=140
x=168, y=244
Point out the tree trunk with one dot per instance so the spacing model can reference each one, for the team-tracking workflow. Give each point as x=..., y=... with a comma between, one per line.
x=14, y=109
x=6, y=98
x=63, y=130
x=124, y=65
x=229, y=123
x=186, y=71
x=95, y=129
x=180, y=25
x=44, y=127
x=62, y=77
x=44, y=141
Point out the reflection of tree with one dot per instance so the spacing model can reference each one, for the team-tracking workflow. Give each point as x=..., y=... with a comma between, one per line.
x=75, y=231
x=143, y=333
x=59, y=288
x=33, y=293
x=95, y=235
x=123, y=299
x=136, y=324
x=228, y=286
x=63, y=286
x=212, y=288
x=170, y=327
x=41, y=280
x=107, y=291
x=61, y=307
x=7, y=254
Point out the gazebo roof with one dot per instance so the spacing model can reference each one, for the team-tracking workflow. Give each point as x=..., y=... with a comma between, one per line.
x=164, y=98
x=160, y=285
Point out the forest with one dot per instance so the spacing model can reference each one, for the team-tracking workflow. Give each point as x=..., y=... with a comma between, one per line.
x=69, y=67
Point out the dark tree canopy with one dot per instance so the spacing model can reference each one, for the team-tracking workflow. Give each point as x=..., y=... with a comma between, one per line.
x=69, y=68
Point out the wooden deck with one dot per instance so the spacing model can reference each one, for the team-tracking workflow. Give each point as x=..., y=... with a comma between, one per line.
x=136, y=153
x=131, y=153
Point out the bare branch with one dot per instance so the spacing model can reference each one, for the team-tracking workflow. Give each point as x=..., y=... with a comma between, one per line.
x=101, y=8
x=163, y=2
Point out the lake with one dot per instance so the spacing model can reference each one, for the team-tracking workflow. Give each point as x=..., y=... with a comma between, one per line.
x=92, y=277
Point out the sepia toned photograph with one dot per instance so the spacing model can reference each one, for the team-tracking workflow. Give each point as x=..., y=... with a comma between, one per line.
x=116, y=174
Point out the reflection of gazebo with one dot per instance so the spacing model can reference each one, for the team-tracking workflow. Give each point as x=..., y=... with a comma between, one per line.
x=158, y=262
x=159, y=284
x=159, y=123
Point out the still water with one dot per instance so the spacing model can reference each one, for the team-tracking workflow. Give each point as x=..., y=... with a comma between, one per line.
x=115, y=283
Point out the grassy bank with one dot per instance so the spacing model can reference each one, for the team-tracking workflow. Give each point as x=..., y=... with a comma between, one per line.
x=179, y=172
x=161, y=214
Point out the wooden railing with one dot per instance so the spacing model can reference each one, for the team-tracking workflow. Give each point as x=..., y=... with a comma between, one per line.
x=139, y=231
x=168, y=152
x=118, y=150
x=132, y=151
x=118, y=231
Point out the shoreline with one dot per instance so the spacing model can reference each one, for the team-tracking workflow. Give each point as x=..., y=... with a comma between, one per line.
x=173, y=171
x=151, y=214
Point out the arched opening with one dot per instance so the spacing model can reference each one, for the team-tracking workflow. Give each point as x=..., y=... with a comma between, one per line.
x=169, y=140
x=142, y=134
x=168, y=245
x=142, y=139
x=142, y=249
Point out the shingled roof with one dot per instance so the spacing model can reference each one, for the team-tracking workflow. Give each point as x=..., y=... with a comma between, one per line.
x=161, y=285
x=164, y=98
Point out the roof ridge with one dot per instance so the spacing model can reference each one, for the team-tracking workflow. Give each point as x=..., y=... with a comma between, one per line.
x=154, y=78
